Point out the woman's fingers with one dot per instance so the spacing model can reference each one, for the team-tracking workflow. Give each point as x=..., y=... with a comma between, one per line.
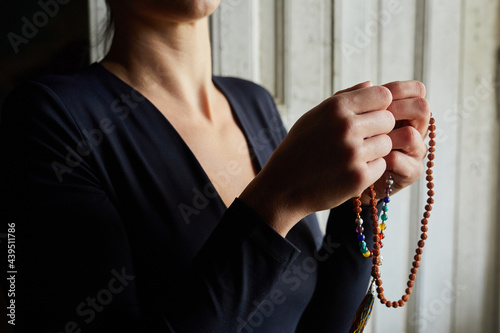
x=363, y=100
x=376, y=147
x=415, y=111
x=405, y=168
x=373, y=123
x=406, y=89
x=408, y=140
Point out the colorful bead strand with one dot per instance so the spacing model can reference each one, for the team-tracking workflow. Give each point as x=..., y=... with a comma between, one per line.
x=359, y=221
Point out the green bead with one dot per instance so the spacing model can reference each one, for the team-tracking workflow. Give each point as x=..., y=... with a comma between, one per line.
x=364, y=250
x=384, y=217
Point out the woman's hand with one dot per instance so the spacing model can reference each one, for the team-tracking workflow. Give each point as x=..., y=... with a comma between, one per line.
x=332, y=153
x=411, y=111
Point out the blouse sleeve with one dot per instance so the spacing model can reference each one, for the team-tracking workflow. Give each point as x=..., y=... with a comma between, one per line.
x=343, y=274
x=73, y=258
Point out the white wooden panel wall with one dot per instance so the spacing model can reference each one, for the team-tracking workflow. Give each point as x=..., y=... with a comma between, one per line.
x=304, y=50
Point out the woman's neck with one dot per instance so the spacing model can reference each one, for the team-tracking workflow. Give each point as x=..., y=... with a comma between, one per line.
x=172, y=59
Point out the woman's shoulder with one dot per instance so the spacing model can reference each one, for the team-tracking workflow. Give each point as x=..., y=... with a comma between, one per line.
x=82, y=92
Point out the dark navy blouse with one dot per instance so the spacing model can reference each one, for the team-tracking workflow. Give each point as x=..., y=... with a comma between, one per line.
x=119, y=229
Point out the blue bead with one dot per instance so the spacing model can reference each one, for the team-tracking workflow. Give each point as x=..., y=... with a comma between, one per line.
x=361, y=238
x=362, y=244
x=385, y=208
x=387, y=200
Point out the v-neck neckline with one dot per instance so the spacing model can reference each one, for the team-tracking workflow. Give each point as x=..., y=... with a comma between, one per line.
x=235, y=110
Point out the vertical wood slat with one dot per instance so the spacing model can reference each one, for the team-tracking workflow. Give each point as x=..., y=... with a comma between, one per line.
x=235, y=40
x=476, y=263
x=97, y=18
x=441, y=76
x=308, y=68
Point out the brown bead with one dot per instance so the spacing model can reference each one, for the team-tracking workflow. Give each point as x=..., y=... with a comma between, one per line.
x=429, y=178
x=375, y=261
x=424, y=221
x=421, y=243
x=431, y=156
x=430, y=164
x=357, y=210
x=428, y=207
x=376, y=231
x=432, y=120
x=429, y=171
x=412, y=277
x=381, y=297
x=414, y=270
x=376, y=239
x=388, y=304
x=416, y=264
x=424, y=228
x=376, y=246
x=373, y=202
x=430, y=201
x=405, y=298
x=373, y=210
x=401, y=302
x=378, y=283
x=408, y=291
x=380, y=290
x=430, y=185
x=432, y=149
x=432, y=127
x=423, y=236
x=419, y=251
x=409, y=284
x=417, y=257
x=432, y=143
x=357, y=203
x=427, y=215
x=430, y=193
x=432, y=135
x=376, y=252
x=395, y=304
x=375, y=269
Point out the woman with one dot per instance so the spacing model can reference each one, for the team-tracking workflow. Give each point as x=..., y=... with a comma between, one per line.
x=149, y=196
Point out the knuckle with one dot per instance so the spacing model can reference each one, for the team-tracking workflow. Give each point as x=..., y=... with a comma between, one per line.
x=337, y=102
x=424, y=106
x=385, y=94
x=386, y=144
x=351, y=153
x=358, y=176
x=410, y=135
x=420, y=88
x=389, y=118
x=346, y=127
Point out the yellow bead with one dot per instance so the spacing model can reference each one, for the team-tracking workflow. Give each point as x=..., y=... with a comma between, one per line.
x=382, y=226
x=366, y=254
